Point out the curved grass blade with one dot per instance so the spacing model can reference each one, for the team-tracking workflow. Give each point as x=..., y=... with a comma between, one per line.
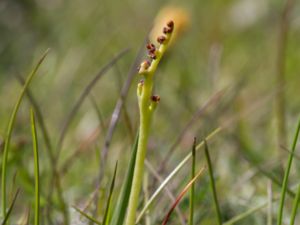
x=168, y=192
x=83, y=95
x=245, y=214
x=120, y=212
x=10, y=208
x=249, y=212
x=92, y=219
x=212, y=183
x=180, y=196
x=36, y=169
x=106, y=217
x=9, y=131
x=286, y=176
x=40, y=120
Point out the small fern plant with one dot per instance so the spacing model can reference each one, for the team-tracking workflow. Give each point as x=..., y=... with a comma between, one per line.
x=147, y=103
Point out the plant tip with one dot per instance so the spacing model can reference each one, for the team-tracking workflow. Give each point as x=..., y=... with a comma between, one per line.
x=169, y=28
x=170, y=24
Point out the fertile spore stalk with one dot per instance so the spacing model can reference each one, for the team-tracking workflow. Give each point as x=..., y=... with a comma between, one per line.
x=147, y=104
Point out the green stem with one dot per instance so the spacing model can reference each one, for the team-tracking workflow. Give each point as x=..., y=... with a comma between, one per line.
x=212, y=182
x=145, y=117
x=147, y=105
x=36, y=170
x=286, y=176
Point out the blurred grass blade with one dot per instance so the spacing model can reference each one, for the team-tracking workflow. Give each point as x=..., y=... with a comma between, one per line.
x=296, y=156
x=168, y=192
x=9, y=132
x=212, y=183
x=36, y=169
x=120, y=212
x=270, y=204
x=24, y=220
x=192, y=192
x=174, y=172
x=286, y=176
x=10, y=208
x=82, y=97
x=98, y=112
x=146, y=196
x=106, y=217
x=215, y=98
x=245, y=214
x=295, y=207
x=40, y=119
x=165, y=221
x=92, y=219
x=249, y=212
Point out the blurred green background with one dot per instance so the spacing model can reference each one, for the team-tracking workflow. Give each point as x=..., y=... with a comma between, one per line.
x=227, y=45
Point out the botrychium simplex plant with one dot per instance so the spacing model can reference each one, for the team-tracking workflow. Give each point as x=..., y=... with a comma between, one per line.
x=147, y=103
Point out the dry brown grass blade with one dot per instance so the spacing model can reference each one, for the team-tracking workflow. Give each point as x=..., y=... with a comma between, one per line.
x=167, y=190
x=180, y=196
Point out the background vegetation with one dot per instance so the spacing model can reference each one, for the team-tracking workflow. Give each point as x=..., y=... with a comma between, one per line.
x=223, y=71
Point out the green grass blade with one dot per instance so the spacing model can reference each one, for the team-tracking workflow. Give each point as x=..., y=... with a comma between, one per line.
x=173, y=173
x=40, y=120
x=106, y=217
x=192, y=192
x=245, y=214
x=10, y=208
x=45, y=134
x=295, y=207
x=286, y=176
x=9, y=132
x=120, y=212
x=212, y=183
x=36, y=169
x=92, y=219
